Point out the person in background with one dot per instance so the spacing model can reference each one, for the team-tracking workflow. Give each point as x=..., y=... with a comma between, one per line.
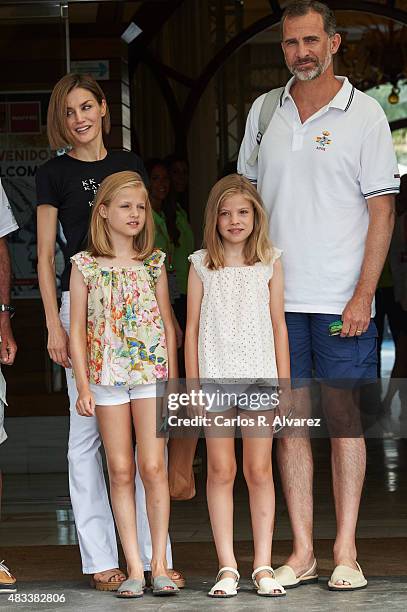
x=178, y=169
x=386, y=305
x=398, y=265
x=8, y=347
x=173, y=234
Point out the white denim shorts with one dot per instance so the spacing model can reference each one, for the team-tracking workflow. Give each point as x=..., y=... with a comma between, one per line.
x=109, y=395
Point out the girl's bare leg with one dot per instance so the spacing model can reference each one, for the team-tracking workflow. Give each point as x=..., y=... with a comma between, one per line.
x=153, y=472
x=116, y=430
x=258, y=474
x=219, y=491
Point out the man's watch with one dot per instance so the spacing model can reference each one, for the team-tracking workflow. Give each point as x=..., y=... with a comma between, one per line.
x=7, y=308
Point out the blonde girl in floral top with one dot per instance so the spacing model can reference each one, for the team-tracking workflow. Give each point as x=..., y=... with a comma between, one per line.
x=123, y=345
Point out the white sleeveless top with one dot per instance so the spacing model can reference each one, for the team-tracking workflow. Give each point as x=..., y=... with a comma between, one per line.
x=235, y=333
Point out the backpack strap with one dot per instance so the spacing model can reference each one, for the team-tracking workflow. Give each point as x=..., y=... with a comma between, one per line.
x=268, y=108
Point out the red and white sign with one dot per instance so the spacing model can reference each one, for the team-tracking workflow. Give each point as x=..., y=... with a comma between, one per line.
x=25, y=117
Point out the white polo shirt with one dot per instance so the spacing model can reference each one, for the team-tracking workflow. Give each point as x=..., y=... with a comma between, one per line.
x=7, y=224
x=314, y=178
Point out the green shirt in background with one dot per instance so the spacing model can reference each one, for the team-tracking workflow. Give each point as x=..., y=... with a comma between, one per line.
x=176, y=255
x=162, y=239
x=183, y=250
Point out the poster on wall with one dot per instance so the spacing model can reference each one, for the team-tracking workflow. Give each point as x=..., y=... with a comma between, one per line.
x=23, y=148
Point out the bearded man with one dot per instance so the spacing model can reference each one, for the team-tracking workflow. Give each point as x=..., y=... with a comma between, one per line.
x=326, y=171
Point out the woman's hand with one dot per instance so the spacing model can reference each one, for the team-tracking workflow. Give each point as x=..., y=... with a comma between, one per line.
x=85, y=404
x=58, y=346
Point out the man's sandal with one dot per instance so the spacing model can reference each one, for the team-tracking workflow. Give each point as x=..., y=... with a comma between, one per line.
x=132, y=588
x=267, y=586
x=109, y=584
x=286, y=576
x=225, y=587
x=353, y=577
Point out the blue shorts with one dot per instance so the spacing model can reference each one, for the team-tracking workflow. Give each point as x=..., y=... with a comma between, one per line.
x=314, y=352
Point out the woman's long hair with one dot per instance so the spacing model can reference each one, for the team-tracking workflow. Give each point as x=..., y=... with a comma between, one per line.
x=258, y=246
x=99, y=243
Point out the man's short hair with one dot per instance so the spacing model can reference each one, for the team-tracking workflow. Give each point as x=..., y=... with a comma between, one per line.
x=299, y=8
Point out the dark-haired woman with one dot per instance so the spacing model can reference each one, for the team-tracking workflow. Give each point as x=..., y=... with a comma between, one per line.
x=178, y=169
x=173, y=234
x=78, y=118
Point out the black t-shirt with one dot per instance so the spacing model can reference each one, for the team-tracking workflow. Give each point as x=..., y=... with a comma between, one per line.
x=71, y=185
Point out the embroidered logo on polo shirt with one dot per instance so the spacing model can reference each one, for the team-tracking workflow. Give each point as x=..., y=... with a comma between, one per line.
x=323, y=141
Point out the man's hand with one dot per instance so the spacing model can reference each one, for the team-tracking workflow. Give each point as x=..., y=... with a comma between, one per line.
x=356, y=315
x=8, y=347
x=58, y=346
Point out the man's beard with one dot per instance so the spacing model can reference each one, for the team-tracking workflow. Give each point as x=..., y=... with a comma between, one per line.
x=312, y=73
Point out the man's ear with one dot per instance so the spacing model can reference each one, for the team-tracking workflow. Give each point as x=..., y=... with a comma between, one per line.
x=335, y=42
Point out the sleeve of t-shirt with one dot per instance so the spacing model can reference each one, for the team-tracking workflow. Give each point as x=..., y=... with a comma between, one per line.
x=379, y=173
x=250, y=141
x=45, y=182
x=7, y=222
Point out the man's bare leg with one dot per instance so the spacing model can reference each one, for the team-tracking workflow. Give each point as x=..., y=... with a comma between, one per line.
x=348, y=459
x=348, y=473
x=296, y=469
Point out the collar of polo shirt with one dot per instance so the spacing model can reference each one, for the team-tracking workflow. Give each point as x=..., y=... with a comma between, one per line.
x=342, y=100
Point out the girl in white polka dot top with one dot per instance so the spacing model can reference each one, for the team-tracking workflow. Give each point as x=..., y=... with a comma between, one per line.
x=236, y=333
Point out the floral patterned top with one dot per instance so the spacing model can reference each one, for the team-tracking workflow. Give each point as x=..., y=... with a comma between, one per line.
x=125, y=332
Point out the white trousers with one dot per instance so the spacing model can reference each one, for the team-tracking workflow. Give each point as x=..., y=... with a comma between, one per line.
x=87, y=486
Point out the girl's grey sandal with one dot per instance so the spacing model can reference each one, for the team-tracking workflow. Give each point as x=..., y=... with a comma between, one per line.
x=132, y=588
x=162, y=585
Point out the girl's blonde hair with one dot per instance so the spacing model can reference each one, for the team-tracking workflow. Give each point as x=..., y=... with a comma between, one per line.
x=58, y=133
x=258, y=246
x=99, y=242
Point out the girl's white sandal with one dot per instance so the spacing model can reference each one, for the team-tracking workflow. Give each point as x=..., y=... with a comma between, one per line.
x=267, y=585
x=228, y=586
